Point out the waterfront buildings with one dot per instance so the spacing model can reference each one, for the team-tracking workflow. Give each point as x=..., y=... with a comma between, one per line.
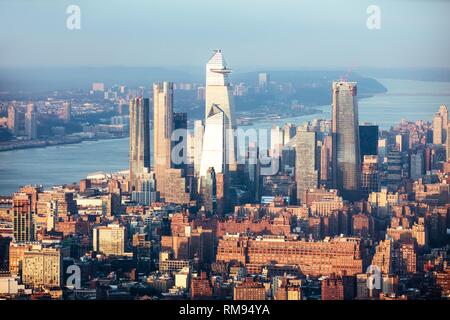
x=30, y=122
x=13, y=119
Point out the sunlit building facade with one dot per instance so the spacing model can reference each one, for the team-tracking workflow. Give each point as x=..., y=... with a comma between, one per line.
x=346, y=153
x=139, y=139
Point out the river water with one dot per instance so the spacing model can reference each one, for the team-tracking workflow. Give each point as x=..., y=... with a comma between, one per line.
x=412, y=100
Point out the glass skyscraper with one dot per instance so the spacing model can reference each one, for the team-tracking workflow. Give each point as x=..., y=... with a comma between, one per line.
x=218, y=92
x=139, y=139
x=345, y=131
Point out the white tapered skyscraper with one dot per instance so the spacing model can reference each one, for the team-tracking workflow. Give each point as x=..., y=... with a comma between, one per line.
x=219, y=96
x=213, y=153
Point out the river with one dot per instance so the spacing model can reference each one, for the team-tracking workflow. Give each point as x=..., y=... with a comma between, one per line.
x=412, y=100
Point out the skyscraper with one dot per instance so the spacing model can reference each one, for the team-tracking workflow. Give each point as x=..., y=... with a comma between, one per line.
x=448, y=143
x=394, y=170
x=66, y=114
x=213, y=153
x=325, y=161
x=306, y=166
x=180, y=146
x=368, y=140
x=199, y=130
x=346, y=154
x=369, y=175
x=416, y=166
x=30, y=122
x=210, y=191
x=13, y=120
x=382, y=149
x=218, y=93
x=263, y=80
x=444, y=114
x=440, y=124
x=162, y=131
x=288, y=132
x=23, y=218
x=437, y=129
x=139, y=139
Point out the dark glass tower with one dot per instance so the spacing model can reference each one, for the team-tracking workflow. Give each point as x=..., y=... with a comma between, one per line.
x=345, y=131
x=368, y=140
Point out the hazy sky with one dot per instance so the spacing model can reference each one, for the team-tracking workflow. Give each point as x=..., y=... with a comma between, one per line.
x=252, y=33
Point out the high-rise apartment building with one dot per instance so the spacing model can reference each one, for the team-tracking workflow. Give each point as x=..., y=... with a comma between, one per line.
x=440, y=125
x=66, y=113
x=382, y=150
x=306, y=167
x=139, y=139
x=416, y=166
x=30, y=122
x=13, y=119
x=394, y=169
x=383, y=256
x=162, y=131
x=42, y=267
x=345, y=129
x=23, y=218
x=263, y=80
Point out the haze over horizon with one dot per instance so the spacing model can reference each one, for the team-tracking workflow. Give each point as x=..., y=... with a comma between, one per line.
x=276, y=35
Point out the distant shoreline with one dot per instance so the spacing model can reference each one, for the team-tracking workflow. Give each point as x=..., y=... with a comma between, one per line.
x=52, y=143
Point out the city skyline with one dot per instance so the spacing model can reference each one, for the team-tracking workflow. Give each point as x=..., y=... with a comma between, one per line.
x=215, y=189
